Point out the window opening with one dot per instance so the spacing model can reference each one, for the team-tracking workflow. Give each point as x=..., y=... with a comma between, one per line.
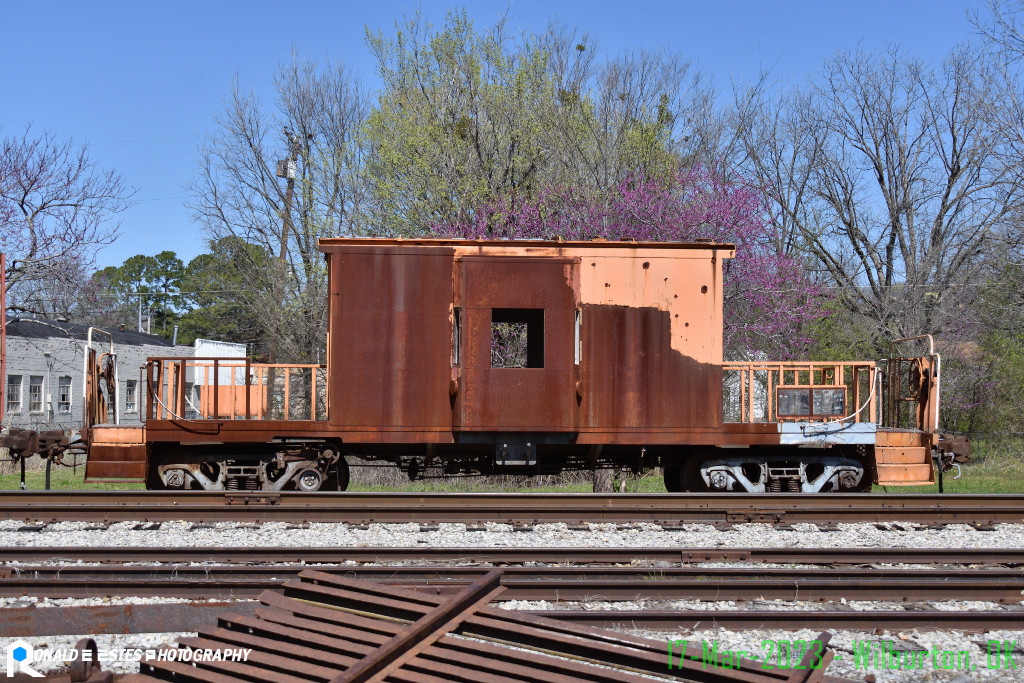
x=579, y=339
x=456, y=336
x=13, y=394
x=35, y=394
x=64, y=394
x=517, y=337
x=130, y=401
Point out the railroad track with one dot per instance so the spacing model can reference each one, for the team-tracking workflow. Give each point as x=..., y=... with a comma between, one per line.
x=208, y=588
x=190, y=616
x=517, y=508
x=512, y=556
x=552, y=584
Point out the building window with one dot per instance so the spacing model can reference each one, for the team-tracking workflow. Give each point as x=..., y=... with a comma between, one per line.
x=131, y=404
x=13, y=394
x=35, y=394
x=64, y=394
x=517, y=337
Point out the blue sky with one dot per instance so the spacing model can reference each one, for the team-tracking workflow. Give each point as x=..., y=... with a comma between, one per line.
x=141, y=81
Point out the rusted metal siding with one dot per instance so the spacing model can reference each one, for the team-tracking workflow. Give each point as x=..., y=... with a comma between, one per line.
x=650, y=353
x=519, y=399
x=652, y=339
x=632, y=377
x=390, y=352
x=687, y=283
x=116, y=453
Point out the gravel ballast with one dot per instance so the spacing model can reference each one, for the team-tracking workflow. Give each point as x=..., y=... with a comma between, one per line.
x=186, y=534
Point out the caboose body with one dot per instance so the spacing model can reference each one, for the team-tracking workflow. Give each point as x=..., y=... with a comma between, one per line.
x=529, y=357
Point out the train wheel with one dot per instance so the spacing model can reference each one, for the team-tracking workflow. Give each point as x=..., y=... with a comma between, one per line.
x=153, y=481
x=674, y=478
x=692, y=481
x=337, y=476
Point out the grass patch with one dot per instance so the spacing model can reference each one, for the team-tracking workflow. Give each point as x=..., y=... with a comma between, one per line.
x=61, y=479
x=571, y=482
x=996, y=466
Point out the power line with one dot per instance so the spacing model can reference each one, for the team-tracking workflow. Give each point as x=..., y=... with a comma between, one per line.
x=159, y=199
x=141, y=141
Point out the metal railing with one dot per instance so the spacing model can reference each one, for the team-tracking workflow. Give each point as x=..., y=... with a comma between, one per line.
x=751, y=389
x=911, y=393
x=234, y=389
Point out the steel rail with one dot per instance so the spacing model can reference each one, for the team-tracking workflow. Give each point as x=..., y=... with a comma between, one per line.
x=867, y=620
x=517, y=508
x=188, y=616
x=534, y=583
x=506, y=556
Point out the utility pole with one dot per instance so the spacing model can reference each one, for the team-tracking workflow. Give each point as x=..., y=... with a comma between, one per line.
x=287, y=169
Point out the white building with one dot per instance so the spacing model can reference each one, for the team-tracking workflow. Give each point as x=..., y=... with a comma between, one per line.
x=43, y=386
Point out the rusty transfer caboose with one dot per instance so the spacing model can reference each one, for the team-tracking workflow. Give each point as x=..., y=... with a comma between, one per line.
x=616, y=361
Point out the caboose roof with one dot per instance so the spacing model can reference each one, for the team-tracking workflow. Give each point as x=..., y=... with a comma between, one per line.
x=330, y=244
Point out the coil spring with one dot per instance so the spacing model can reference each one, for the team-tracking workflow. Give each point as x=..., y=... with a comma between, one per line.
x=780, y=484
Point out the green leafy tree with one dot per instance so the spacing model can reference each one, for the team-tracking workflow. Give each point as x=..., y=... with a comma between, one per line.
x=152, y=282
x=459, y=121
x=219, y=294
x=469, y=118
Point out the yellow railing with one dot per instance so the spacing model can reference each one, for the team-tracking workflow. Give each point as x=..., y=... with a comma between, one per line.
x=234, y=389
x=751, y=390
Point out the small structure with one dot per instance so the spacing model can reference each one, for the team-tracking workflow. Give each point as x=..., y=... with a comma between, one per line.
x=43, y=381
x=530, y=357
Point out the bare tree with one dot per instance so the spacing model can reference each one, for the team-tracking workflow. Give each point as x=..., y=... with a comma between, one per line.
x=1002, y=35
x=893, y=176
x=313, y=129
x=57, y=208
x=778, y=144
x=1000, y=29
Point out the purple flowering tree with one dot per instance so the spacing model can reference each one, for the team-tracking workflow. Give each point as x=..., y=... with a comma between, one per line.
x=770, y=301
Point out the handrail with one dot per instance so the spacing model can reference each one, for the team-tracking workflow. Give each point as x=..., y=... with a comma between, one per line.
x=874, y=384
x=85, y=372
x=215, y=388
x=758, y=394
x=931, y=343
x=236, y=362
x=938, y=367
